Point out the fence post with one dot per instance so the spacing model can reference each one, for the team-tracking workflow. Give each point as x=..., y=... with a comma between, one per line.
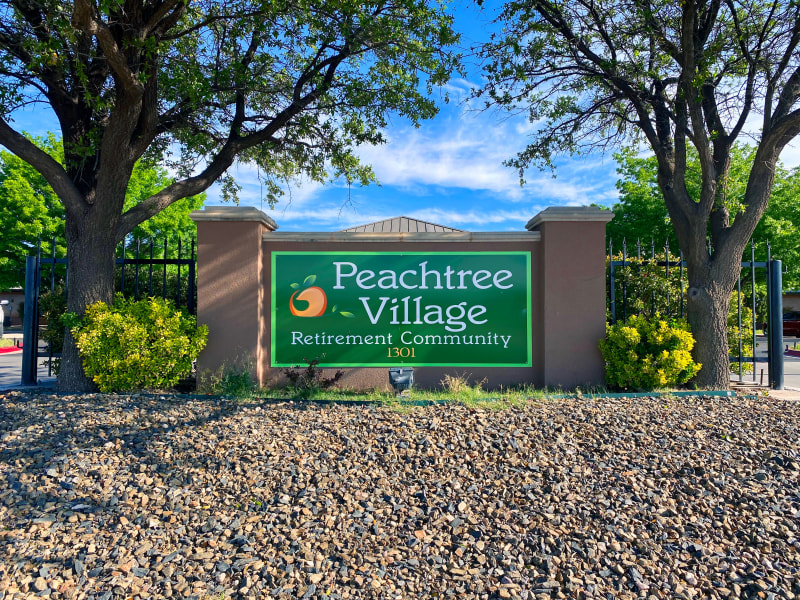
x=190, y=305
x=30, y=341
x=611, y=282
x=775, y=325
x=571, y=269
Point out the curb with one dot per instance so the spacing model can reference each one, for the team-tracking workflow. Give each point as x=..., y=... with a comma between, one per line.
x=398, y=400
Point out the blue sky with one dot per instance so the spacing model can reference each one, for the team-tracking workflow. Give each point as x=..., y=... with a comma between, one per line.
x=449, y=171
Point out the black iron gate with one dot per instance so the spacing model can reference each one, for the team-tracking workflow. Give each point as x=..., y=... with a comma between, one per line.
x=50, y=273
x=625, y=267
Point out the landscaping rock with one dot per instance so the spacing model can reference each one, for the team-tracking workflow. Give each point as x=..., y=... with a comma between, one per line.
x=137, y=496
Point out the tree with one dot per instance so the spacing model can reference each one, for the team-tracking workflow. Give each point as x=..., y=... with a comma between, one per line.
x=292, y=86
x=173, y=221
x=30, y=210
x=641, y=213
x=593, y=74
x=781, y=226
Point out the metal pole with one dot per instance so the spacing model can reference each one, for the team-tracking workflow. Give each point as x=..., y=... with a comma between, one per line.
x=190, y=302
x=136, y=271
x=150, y=276
x=775, y=333
x=122, y=273
x=753, y=300
x=164, y=281
x=624, y=282
x=53, y=267
x=739, y=314
x=612, y=300
x=769, y=309
x=178, y=291
x=681, y=278
x=653, y=262
x=30, y=343
x=666, y=255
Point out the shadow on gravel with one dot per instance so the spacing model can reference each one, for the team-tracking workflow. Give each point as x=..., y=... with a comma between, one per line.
x=613, y=498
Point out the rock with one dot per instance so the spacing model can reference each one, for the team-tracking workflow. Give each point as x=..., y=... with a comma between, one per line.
x=191, y=498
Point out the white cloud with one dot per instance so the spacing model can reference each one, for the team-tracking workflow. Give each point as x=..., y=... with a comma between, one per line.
x=470, y=156
x=459, y=218
x=790, y=157
x=449, y=171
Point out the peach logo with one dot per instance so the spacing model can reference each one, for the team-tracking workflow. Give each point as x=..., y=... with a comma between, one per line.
x=316, y=299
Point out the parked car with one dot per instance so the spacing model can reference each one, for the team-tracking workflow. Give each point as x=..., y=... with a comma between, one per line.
x=791, y=324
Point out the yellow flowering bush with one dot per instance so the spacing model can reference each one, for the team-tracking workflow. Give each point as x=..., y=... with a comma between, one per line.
x=646, y=354
x=137, y=345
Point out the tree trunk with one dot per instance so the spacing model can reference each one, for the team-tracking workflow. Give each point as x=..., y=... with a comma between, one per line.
x=90, y=278
x=708, y=302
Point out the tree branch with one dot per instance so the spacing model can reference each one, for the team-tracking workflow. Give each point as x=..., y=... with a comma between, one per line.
x=53, y=172
x=83, y=19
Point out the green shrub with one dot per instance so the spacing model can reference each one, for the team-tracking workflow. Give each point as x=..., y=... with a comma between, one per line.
x=652, y=294
x=138, y=345
x=311, y=378
x=645, y=354
x=52, y=307
x=235, y=382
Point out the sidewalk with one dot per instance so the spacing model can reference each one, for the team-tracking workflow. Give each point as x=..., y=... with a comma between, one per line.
x=786, y=394
x=11, y=368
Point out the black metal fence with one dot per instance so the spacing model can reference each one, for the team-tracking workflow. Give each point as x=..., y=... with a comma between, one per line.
x=651, y=282
x=140, y=272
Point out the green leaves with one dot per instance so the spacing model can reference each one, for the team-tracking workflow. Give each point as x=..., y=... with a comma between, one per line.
x=307, y=282
x=323, y=76
x=647, y=354
x=137, y=345
x=29, y=210
x=642, y=215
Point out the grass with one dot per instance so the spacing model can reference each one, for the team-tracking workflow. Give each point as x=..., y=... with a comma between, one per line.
x=238, y=384
x=6, y=342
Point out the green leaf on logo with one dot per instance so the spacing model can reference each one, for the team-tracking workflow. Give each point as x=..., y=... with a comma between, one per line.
x=309, y=280
x=294, y=286
x=335, y=306
x=349, y=315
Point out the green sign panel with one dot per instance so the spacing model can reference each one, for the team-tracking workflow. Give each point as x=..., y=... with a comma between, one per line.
x=384, y=309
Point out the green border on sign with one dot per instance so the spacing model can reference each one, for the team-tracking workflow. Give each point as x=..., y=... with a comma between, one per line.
x=274, y=307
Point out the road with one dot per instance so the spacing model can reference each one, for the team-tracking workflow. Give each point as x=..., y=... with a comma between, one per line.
x=11, y=368
x=791, y=365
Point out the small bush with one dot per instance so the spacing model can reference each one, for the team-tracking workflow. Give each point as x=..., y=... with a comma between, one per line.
x=644, y=354
x=137, y=345
x=311, y=378
x=235, y=382
x=53, y=307
x=460, y=388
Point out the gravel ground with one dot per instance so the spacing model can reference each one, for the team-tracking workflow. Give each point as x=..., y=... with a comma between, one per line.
x=150, y=497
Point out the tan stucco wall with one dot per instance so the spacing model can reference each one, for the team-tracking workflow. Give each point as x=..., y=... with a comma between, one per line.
x=230, y=295
x=567, y=280
x=572, y=310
